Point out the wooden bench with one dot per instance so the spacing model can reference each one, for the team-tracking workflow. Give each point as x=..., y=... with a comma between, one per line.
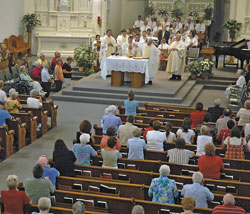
x=31, y=122
x=7, y=141
x=17, y=45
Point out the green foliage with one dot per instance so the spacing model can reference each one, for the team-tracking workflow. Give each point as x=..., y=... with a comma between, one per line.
x=208, y=13
x=200, y=68
x=31, y=20
x=82, y=56
x=149, y=10
x=232, y=25
x=177, y=12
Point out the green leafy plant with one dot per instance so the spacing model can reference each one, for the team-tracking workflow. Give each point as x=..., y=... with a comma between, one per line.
x=232, y=25
x=177, y=12
x=200, y=69
x=31, y=21
x=150, y=10
x=82, y=56
x=208, y=13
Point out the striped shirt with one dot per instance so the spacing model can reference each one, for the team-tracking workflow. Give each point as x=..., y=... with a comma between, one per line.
x=83, y=153
x=180, y=156
x=228, y=209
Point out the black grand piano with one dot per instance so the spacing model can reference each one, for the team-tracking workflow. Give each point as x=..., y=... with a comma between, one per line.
x=239, y=50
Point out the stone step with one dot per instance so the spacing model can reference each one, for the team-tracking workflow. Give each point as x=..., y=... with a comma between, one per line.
x=215, y=87
x=224, y=78
x=193, y=95
x=214, y=82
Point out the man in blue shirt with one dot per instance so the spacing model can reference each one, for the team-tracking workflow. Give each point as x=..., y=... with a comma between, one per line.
x=198, y=192
x=136, y=146
x=4, y=115
x=110, y=120
x=50, y=173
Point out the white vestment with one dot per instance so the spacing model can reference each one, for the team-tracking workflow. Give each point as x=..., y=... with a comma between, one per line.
x=163, y=46
x=191, y=41
x=200, y=28
x=190, y=26
x=143, y=27
x=126, y=51
x=153, y=54
x=121, y=39
x=176, y=59
x=138, y=23
x=105, y=52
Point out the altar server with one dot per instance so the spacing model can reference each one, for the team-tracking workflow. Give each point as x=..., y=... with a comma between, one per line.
x=176, y=58
x=150, y=51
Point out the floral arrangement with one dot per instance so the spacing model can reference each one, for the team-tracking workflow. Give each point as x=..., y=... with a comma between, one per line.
x=163, y=13
x=232, y=25
x=200, y=69
x=193, y=14
x=208, y=13
x=177, y=13
x=150, y=10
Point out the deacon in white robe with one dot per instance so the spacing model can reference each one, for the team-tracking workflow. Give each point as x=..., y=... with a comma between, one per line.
x=200, y=27
x=191, y=40
x=179, y=25
x=166, y=22
x=189, y=24
x=145, y=26
x=176, y=58
x=157, y=28
x=153, y=54
x=130, y=48
x=123, y=37
x=144, y=37
x=108, y=46
x=152, y=23
x=138, y=23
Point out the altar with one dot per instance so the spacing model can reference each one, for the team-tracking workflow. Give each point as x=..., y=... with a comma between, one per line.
x=65, y=24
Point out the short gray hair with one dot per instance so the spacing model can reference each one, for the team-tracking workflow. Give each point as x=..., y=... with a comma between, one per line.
x=22, y=68
x=34, y=92
x=44, y=204
x=78, y=208
x=164, y=170
x=11, y=91
x=84, y=138
x=12, y=181
x=228, y=199
x=112, y=109
x=240, y=71
x=197, y=177
x=217, y=102
x=137, y=209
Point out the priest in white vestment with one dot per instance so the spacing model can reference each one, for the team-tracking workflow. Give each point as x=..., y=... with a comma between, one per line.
x=200, y=27
x=138, y=23
x=176, y=58
x=153, y=54
x=130, y=48
x=108, y=46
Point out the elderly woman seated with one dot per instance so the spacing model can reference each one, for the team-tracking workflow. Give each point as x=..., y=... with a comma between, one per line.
x=82, y=151
x=13, y=197
x=33, y=101
x=78, y=208
x=210, y=165
x=36, y=73
x=13, y=105
x=235, y=144
x=10, y=92
x=26, y=77
x=163, y=189
x=44, y=205
x=244, y=113
x=203, y=140
x=188, y=205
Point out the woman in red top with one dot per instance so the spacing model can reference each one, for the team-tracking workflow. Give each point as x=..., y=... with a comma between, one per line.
x=13, y=200
x=150, y=128
x=36, y=73
x=210, y=164
x=197, y=116
x=111, y=131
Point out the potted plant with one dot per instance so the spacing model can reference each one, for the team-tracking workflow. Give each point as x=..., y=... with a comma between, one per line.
x=208, y=14
x=30, y=21
x=233, y=26
x=177, y=12
x=82, y=57
x=205, y=67
x=194, y=69
x=149, y=10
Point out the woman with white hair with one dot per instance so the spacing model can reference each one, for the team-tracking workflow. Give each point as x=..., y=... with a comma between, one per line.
x=13, y=105
x=163, y=189
x=138, y=209
x=78, y=208
x=36, y=73
x=26, y=77
x=32, y=101
x=10, y=92
x=203, y=140
x=44, y=205
x=244, y=113
x=82, y=151
x=197, y=191
x=13, y=197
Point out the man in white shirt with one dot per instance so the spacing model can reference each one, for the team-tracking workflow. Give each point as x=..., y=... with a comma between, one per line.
x=145, y=26
x=33, y=101
x=46, y=80
x=200, y=27
x=144, y=37
x=138, y=23
x=174, y=28
x=152, y=23
x=156, y=138
x=166, y=22
x=241, y=81
x=189, y=24
x=123, y=37
x=157, y=28
x=179, y=25
x=3, y=97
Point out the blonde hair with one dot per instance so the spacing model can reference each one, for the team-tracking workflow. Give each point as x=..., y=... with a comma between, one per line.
x=205, y=130
x=44, y=204
x=137, y=132
x=1, y=83
x=188, y=203
x=247, y=104
x=14, y=95
x=210, y=149
x=131, y=95
x=12, y=181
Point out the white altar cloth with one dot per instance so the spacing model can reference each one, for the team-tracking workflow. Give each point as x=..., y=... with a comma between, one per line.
x=125, y=64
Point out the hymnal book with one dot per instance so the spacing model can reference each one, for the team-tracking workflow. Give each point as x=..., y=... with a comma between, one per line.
x=87, y=203
x=144, y=114
x=184, y=172
x=123, y=177
x=192, y=162
x=100, y=163
x=102, y=204
x=221, y=155
x=139, y=121
x=216, y=202
x=86, y=173
x=164, y=211
x=121, y=165
x=162, y=109
x=68, y=200
x=231, y=189
x=160, y=115
x=124, y=154
x=191, y=172
x=77, y=186
x=226, y=165
x=229, y=177
x=106, y=189
x=171, y=116
x=221, y=188
x=131, y=166
x=107, y=175
x=157, y=109
x=179, y=183
x=176, y=110
x=211, y=187
x=78, y=171
x=93, y=189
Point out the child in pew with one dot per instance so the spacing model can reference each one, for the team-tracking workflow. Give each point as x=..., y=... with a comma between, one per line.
x=82, y=151
x=136, y=146
x=171, y=137
x=179, y=154
x=186, y=132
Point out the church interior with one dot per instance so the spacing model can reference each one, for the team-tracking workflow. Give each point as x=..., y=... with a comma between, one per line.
x=124, y=106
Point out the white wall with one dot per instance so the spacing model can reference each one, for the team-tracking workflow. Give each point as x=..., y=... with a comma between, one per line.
x=11, y=12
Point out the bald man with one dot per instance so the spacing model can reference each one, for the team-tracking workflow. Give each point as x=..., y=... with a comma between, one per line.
x=228, y=206
x=138, y=209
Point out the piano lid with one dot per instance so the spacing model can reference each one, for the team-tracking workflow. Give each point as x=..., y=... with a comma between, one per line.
x=240, y=44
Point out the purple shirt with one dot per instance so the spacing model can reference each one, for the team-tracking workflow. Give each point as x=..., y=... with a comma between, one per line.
x=110, y=120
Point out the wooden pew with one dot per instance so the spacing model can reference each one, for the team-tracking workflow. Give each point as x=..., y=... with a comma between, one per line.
x=31, y=122
x=7, y=141
x=20, y=131
x=41, y=117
